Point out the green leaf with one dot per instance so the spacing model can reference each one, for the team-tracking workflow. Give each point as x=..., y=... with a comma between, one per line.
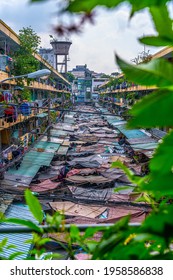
x=91, y=231
x=161, y=166
x=43, y=241
x=14, y=255
x=52, y=256
x=24, y=223
x=74, y=232
x=4, y=242
x=34, y=205
x=153, y=110
x=159, y=222
x=88, y=6
x=157, y=72
x=1, y=215
x=156, y=41
x=163, y=25
x=162, y=21
x=162, y=186
x=141, y=4
x=163, y=155
x=122, y=188
x=131, y=176
x=11, y=247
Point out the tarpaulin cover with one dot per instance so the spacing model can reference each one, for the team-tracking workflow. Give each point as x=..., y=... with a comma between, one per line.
x=84, y=171
x=74, y=209
x=88, y=179
x=94, y=194
x=116, y=213
x=44, y=186
x=49, y=174
x=90, y=161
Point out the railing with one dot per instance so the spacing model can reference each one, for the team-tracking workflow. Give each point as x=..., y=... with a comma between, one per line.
x=4, y=123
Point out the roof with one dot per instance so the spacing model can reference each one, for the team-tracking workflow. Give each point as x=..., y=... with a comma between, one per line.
x=144, y=146
x=47, y=146
x=18, y=239
x=38, y=158
x=131, y=133
x=74, y=209
x=27, y=169
x=5, y=200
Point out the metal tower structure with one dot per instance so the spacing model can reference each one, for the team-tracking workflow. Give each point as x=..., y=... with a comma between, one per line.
x=61, y=52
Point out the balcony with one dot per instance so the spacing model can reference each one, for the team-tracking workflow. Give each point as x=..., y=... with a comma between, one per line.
x=20, y=118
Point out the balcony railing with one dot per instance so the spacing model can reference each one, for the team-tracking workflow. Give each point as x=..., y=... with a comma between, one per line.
x=5, y=123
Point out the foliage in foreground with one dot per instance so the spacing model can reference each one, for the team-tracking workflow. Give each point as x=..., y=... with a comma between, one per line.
x=153, y=239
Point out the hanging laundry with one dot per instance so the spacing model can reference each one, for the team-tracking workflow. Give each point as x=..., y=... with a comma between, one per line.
x=25, y=109
x=9, y=113
x=7, y=96
x=1, y=97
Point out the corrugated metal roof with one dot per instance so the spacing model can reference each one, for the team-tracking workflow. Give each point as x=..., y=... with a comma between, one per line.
x=17, y=239
x=47, y=146
x=32, y=162
x=38, y=158
x=131, y=133
x=144, y=146
x=27, y=169
x=54, y=132
x=62, y=150
x=5, y=200
x=53, y=140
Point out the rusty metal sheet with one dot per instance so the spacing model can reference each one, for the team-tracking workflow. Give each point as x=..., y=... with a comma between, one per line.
x=74, y=209
x=65, y=237
x=116, y=213
x=16, y=179
x=88, y=179
x=119, y=158
x=45, y=186
x=89, y=161
x=5, y=200
x=62, y=150
x=90, y=193
x=66, y=143
x=141, y=140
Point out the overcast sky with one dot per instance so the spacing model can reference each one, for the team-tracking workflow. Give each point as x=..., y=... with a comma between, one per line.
x=97, y=44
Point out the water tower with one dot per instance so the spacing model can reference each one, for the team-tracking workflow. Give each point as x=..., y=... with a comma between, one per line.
x=61, y=52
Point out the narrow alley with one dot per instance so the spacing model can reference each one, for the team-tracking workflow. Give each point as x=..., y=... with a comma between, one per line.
x=72, y=172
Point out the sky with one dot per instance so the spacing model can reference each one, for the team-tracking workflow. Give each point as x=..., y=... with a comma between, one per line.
x=97, y=44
